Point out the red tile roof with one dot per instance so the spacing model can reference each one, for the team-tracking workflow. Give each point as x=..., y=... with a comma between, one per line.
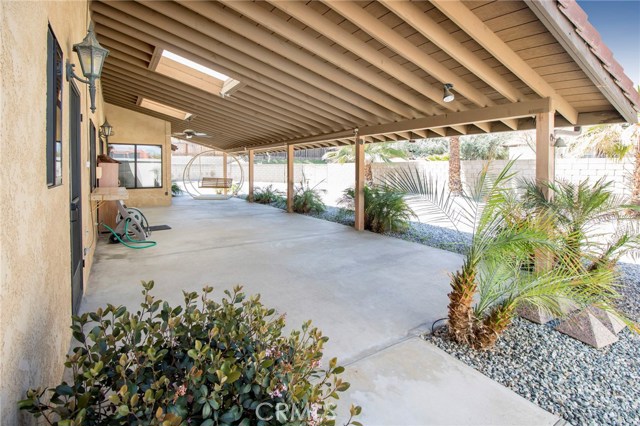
x=592, y=38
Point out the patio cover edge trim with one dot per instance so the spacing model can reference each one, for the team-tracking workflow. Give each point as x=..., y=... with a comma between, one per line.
x=564, y=30
x=505, y=111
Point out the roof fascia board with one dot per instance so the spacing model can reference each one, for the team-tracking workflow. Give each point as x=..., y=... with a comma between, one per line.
x=562, y=29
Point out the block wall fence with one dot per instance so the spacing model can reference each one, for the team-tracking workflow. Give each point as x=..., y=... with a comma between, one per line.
x=335, y=177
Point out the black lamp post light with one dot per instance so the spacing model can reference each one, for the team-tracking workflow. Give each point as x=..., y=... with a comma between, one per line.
x=92, y=57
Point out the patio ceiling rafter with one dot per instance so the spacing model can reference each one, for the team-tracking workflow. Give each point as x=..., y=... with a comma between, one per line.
x=259, y=123
x=463, y=118
x=266, y=39
x=199, y=54
x=304, y=112
x=262, y=117
x=277, y=68
x=312, y=44
x=342, y=37
x=310, y=72
x=472, y=25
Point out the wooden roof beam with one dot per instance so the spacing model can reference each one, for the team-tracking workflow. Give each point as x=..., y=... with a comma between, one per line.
x=162, y=85
x=263, y=92
x=202, y=113
x=235, y=129
x=271, y=65
x=430, y=29
x=294, y=104
x=138, y=29
x=385, y=35
x=474, y=27
x=329, y=29
x=268, y=40
x=317, y=73
x=310, y=43
x=261, y=116
x=176, y=125
x=498, y=112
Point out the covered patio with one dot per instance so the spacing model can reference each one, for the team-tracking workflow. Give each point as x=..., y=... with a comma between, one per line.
x=278, y=76
x=371, y=294
x=290, y=75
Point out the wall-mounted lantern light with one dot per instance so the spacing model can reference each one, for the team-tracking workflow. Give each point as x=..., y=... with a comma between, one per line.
x=92, y=57
x=106, y=130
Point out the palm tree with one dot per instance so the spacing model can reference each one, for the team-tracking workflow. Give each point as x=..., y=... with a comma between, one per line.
x=495, y=269
x=455, y=184
x=373, y=153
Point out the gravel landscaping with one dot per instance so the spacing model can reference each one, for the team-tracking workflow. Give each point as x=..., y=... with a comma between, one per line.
x=422, y=233
x=581, y=384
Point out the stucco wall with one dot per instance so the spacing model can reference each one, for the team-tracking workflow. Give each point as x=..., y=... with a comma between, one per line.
x=35, y=275
x=131, y=127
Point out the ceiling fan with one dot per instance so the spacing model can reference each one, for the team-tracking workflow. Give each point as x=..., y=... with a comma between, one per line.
x=189, y=133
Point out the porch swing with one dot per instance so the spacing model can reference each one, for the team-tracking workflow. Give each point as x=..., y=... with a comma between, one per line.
x=212, y=175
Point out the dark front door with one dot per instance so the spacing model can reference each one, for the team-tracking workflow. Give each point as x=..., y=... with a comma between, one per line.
x=75, y=171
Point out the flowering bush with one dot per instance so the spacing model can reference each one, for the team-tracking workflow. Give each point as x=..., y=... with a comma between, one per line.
x=203, y=363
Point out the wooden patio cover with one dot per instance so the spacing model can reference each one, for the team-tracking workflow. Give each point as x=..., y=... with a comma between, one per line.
x=312, y=72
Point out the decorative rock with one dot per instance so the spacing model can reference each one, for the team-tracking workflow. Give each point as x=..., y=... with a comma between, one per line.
x=611, y=321
x=584, y=326
x=534, y=314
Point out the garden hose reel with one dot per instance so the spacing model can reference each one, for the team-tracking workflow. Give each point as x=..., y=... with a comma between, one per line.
x=131, y=225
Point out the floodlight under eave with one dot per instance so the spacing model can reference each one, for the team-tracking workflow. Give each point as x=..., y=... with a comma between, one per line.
x=447, y=95
x=91, y=56
x=560, y=143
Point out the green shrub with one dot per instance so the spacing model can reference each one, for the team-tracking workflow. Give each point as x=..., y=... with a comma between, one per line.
x=268, y=195
x=385, y=209
x=204, y=363
x=175, y=189
x=307, y=199
x=483, y=147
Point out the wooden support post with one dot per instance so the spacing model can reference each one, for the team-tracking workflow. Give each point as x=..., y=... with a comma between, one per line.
x=545, y=172
x=251, y=175
x=545, y=151
x=290, y=157
x=224, y=169
x=359, y=188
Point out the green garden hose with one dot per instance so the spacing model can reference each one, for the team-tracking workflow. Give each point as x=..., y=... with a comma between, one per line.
x=136, y=245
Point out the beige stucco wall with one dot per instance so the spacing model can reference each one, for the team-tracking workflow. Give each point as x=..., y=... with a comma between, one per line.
x=131, y=127
x=35, y=276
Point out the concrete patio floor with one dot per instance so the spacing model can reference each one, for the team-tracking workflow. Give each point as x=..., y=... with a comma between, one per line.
x=372, y=295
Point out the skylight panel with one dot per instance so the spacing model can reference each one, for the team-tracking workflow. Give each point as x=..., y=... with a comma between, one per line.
x=164, y=109
x=194, y=65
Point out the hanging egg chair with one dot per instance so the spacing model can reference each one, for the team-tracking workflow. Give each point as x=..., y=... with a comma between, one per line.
x=213, y=175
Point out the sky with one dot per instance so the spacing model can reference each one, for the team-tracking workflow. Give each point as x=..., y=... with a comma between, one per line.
x=618, y=22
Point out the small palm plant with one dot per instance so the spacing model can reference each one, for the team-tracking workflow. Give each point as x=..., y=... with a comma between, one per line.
x=494, y=271
x=308, y=199
x=385, y=209
x=590, y=222
x=268, y=195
